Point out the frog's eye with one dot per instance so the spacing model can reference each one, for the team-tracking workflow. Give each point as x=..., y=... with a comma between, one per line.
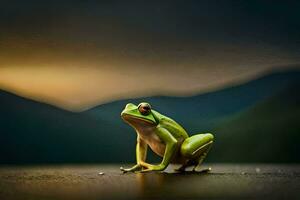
x=144, y=108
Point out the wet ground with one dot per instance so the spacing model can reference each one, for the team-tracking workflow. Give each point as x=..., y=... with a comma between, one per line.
x=225, y=181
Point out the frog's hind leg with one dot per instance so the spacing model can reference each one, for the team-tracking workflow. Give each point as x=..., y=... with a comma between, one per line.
x=195, y=149
x=201, y=157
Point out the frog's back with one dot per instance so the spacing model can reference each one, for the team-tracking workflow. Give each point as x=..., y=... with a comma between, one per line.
x=171, y=125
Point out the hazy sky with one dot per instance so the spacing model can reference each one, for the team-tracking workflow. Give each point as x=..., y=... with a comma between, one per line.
x=76, y=55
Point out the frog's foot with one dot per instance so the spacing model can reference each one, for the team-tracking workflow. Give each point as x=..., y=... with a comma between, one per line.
x=205, y=170
x=132, y=169
x=152, y=168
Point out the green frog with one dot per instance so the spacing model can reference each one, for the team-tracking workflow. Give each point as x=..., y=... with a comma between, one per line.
x=166, y=138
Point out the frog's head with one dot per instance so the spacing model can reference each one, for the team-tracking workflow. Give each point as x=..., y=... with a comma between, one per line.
x=140, y=115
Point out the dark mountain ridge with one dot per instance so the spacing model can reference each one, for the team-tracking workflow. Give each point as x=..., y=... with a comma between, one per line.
x=33, y=132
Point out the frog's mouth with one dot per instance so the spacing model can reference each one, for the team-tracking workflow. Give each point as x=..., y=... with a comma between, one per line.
x=131, y=119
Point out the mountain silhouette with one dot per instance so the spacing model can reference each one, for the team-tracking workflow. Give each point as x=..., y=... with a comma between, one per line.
x=270, y=127
x=253, y=122
x=33, y=132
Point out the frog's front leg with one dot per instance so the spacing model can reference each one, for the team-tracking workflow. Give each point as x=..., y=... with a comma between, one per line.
x=141, y=153
x=171, y=147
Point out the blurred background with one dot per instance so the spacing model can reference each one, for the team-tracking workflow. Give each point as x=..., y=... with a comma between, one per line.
x=68, y=68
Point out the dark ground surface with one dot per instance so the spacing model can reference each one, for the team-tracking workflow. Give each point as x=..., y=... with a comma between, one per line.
x=225, y=181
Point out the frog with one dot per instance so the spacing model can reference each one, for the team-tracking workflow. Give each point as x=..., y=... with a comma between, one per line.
x=166, y=138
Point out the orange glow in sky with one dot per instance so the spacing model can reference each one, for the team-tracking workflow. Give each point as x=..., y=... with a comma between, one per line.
x=81, y=55
x=78, y=87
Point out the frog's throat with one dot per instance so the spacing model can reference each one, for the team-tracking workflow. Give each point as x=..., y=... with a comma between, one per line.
x=126, y=117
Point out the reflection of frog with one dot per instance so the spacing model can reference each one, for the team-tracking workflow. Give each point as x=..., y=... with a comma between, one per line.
x=166, y=138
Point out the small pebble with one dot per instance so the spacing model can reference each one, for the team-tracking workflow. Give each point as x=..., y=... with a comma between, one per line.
x=100, y=173
x=257, y=170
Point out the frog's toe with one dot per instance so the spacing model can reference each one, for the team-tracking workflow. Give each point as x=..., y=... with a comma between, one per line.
x=132, y=169
x=206, y=170
x=123, y=169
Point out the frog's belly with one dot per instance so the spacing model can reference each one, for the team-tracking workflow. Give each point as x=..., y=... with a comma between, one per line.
x=154, y=142
x=156, y=145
